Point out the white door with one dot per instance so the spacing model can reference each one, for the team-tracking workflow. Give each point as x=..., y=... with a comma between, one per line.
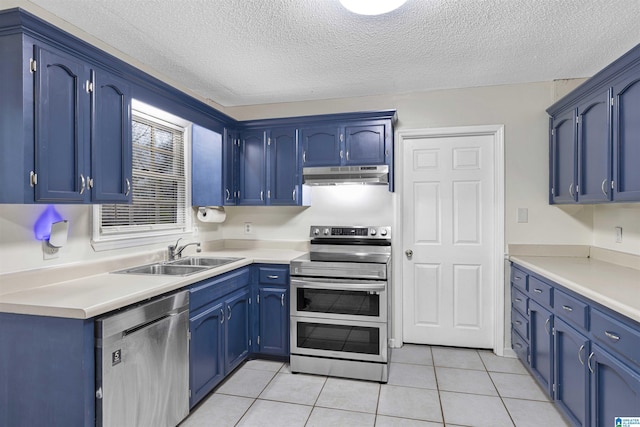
x=448, y=221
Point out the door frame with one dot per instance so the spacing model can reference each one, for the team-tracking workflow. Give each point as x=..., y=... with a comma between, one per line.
x=499, y=253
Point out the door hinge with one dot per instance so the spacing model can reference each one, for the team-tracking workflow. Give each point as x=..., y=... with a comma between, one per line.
x=341, y=137
x=33, y=179
x=189, y=393
x=89, y=87
x=249, y=342
x=552, y=192
x=268, y=141
x=612, y=185
x=577, y=120
x=33, y=65
x=612, y=102
x=189, y=335
x=258, y=341
x=553, y=132
x=553, y=331
x=528, y=358
x=553, y=387
x=257, y=299
x=249, y=301
x=528, y=312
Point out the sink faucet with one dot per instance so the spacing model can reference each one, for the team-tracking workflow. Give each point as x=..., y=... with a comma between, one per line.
x=175, y=251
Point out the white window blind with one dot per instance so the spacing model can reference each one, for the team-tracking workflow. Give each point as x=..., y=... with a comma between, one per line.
x=158, y=182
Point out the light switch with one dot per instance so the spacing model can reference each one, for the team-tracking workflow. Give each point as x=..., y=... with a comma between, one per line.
x=523, y=215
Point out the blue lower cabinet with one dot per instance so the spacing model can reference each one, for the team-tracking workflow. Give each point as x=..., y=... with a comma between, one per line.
x=236, y=347
x=615, y=388
x=541, y=345
x=206, y=357
x=571, y=373
x=273, y=307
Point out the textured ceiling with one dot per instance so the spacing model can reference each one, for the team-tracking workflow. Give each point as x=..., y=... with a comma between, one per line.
x=241, y=52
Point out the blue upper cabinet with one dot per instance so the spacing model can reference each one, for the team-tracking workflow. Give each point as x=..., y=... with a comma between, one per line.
x=321, y=146
x=230, y=151
x=283, y=171
x=626, y=135
x=110, y=139
x=594, y=148
x=252, y=183
x=563, y=157
x=605, y=128
x=61, y=127
x=206, y=168
x=366, y=144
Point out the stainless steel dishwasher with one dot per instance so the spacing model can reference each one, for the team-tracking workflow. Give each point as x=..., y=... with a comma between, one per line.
x=142, y=364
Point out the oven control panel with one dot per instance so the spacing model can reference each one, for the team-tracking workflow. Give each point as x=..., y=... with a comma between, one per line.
x=369, y=232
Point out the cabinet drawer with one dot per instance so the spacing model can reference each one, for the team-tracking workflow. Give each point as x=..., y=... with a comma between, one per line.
x=520, y=323
x=616, y=335
x=273, y=275
x=520, y=346
x=519, y=279
x=519, y=301
x=541, y=292
x=570, y=309
x=204, y=292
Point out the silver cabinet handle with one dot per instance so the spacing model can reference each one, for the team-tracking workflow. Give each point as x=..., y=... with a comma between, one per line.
x=408, y=253
x=272, y=276
x=222, y=316
x=580, y=354
x=269, y=194
x=261, y=196
x=518, y=345
x=517, y=300
x=546, y=324
x=341, y=153
x=347, y=155
x=603, y=187
x=229, y=311
x=293, y=193
x=518, y=322
x=126, y=193
x=567, y=308
x=589, y=362
x=571, y=190
x=518, y=277
x=228, y=193
x=537, y=291
x=304, y=157
x=612, y=335
x=282, y=300
x=82, y=184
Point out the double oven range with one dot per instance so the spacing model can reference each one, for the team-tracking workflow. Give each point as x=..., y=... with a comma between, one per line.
x=340, y=303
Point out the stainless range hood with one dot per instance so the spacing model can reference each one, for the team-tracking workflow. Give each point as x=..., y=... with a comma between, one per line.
x=336, y=175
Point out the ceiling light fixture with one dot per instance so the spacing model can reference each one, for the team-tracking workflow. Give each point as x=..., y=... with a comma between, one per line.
x=371, y=7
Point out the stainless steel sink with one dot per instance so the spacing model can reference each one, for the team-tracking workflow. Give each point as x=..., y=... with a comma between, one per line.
x=164, y=269
x=203, y=261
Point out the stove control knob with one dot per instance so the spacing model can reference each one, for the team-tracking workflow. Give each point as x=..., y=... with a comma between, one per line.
x=316, y=231
x=383, y=232
x=372, y=232
x=326, y=232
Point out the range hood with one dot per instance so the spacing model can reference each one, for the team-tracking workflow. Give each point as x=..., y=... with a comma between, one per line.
x=336, y=175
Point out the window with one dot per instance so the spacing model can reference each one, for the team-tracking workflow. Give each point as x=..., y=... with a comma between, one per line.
x=159, y=184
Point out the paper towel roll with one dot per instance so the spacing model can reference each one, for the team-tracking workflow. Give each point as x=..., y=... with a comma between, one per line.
x=212, y=214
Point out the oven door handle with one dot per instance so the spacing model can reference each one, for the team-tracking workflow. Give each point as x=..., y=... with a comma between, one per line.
x=339, y=286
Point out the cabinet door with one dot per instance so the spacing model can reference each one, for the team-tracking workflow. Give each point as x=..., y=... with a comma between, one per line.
x=594, y=148
x=206, y=167
x=252, y=169
x=274, y=321
x=110, y=139
x=365, y=145
x=237, y=329
x=626, y=134
x=571, y=373
x=541, y=345
x=563, y=158
x=206, y=359
x=230, y=167
x=283, y=167
x=61, y=127
x=615, y=388
x=321, y=146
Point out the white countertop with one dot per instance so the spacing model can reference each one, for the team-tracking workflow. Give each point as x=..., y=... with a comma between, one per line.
x=91, y=296
x=611, y=285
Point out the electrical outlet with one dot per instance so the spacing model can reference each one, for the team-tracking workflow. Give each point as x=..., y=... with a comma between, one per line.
x=248, y=228
x=618, y=234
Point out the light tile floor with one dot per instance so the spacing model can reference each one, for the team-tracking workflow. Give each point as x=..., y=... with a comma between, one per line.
x=428, y=387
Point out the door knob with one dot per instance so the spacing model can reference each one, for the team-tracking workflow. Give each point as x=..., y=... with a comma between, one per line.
x=408, y=253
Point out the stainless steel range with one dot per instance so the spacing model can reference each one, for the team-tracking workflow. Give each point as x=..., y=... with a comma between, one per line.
x=340, y=305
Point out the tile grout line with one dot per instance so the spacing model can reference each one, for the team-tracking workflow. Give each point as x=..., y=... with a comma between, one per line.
x=498, y=391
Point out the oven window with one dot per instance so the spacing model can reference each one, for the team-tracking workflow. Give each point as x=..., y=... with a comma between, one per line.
x=353, y=339
x=358, y=303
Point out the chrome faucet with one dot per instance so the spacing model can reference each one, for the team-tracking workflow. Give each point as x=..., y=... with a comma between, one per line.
x=175, y=251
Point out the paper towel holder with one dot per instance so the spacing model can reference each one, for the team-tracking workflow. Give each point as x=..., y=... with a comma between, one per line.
x=57, y=238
